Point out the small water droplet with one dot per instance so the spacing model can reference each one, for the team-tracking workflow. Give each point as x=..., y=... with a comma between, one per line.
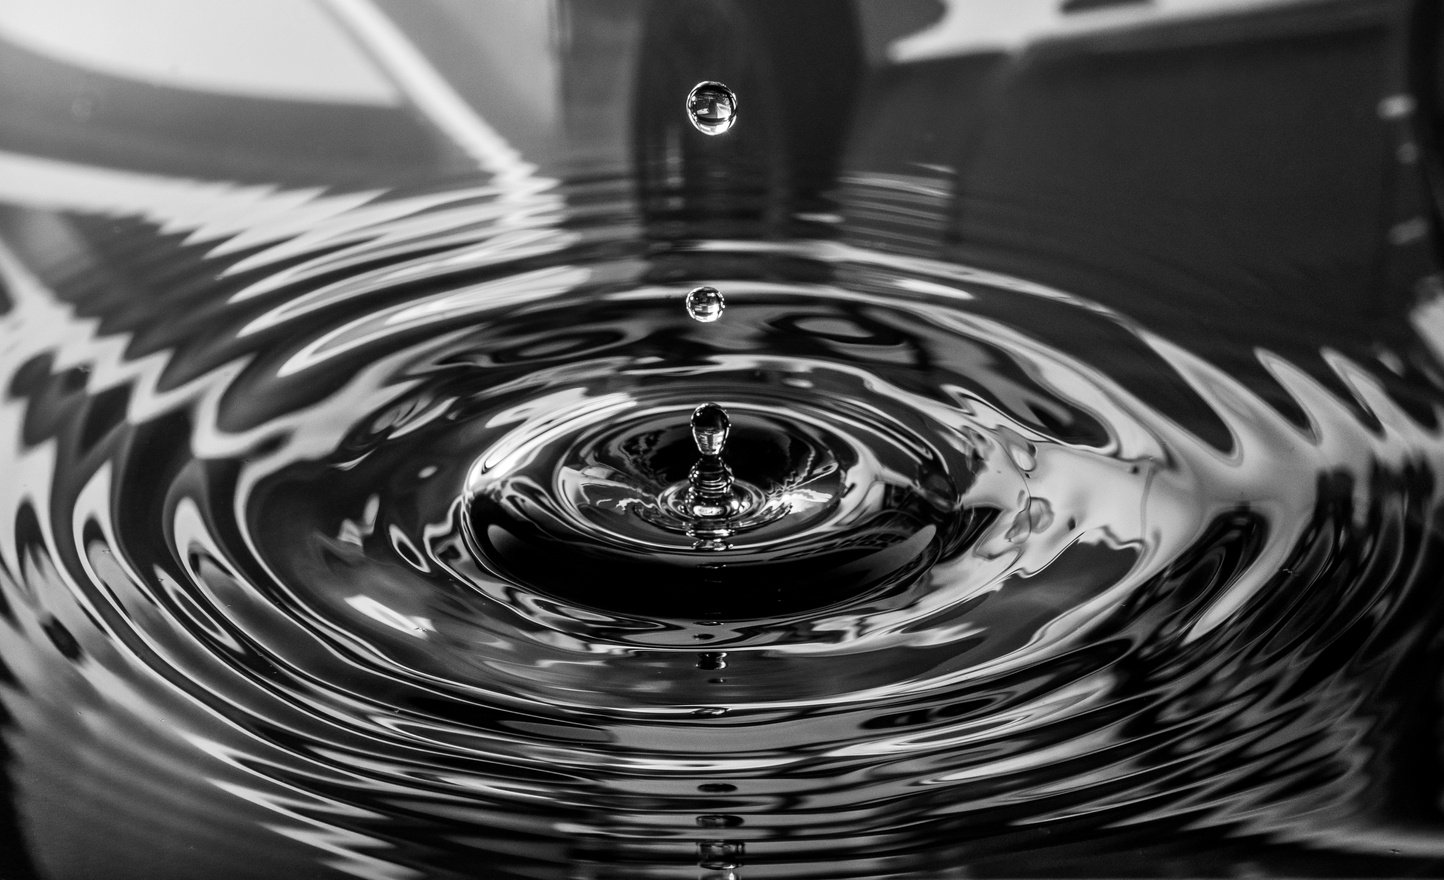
x=710, y=712
x=717, y=787
x=712, y=107
x=705, y=304
x=710, y=427
x=719, y=820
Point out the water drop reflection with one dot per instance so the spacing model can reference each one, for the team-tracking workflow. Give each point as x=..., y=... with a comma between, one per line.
x=712, y=107
x=705, y=304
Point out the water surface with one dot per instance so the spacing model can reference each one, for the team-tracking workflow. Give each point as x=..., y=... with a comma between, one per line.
x=1104, y=414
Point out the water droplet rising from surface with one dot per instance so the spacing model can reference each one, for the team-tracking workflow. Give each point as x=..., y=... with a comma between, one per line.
x=713, y=501
x=705, y=304
x=710, y=427
x=720, y=854
x=712, y=107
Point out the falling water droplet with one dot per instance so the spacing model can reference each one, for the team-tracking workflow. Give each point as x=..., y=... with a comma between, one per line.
x=705, y=304
x=712, y=107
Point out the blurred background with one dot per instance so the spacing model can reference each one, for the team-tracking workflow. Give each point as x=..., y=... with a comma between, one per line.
x=1249, y=142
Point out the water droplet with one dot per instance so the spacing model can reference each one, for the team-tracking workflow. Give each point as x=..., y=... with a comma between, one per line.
x=710, y=427
x=717, y=787
x=710, y=712
x=712, y=107
x=711, y=499
x=719, y=820
x=705, y=304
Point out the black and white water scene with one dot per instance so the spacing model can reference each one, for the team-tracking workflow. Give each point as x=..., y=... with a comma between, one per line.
x=721, y=439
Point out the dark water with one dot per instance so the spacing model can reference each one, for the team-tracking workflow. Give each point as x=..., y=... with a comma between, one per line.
x=1099, y=530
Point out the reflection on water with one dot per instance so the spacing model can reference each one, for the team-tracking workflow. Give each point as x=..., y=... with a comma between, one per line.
x=1084, y=376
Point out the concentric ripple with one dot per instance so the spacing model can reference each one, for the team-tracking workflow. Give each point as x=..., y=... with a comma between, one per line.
x=373, y=544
